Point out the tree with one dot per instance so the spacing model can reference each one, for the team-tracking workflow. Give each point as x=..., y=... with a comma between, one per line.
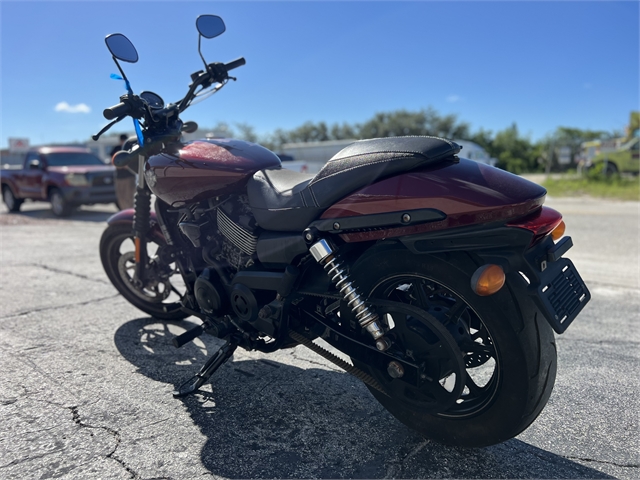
x=573, y=138
x=247, y=132
x=634, y=125
x=422, y=122
x=514, y=153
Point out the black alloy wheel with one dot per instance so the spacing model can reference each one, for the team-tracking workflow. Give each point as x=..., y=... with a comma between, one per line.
x=160, y=294
x=481, y=371
x=506, y=347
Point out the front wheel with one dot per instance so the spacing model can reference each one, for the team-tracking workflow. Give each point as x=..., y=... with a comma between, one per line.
x=59, y=205
x=507, y=348
x=13, y=204
x=160, y=294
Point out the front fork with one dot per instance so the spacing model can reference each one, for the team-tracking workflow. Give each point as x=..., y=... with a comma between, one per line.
x=141, y=217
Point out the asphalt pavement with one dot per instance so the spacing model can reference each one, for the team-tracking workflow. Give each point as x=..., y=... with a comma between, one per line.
x=87, y=379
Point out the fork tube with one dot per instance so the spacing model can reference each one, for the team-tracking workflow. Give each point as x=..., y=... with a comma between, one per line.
x=142, y=213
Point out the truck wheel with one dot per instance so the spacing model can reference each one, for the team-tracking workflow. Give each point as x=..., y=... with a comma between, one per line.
x=13, y=204
x=610, y=169
x=59, y=206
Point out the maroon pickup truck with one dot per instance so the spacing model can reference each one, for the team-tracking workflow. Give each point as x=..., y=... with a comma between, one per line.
x=65, y=176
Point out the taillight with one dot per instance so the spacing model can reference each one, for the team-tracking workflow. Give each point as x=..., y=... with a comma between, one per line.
x=541, y=223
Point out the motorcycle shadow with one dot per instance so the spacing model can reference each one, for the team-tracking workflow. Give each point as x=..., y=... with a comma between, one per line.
x=274, y=417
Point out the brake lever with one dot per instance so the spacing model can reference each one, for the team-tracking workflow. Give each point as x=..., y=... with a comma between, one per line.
x=109, y=125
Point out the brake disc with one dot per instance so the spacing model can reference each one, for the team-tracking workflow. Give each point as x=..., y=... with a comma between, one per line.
x=151, y=291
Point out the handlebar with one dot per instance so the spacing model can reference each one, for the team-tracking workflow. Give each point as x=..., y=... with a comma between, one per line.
x=116, y=111
x=132, y=105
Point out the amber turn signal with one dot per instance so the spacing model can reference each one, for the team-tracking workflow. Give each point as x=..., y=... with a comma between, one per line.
x=487, y=280
x=558, y=232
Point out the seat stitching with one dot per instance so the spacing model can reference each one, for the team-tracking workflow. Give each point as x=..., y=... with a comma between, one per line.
x=313, y=195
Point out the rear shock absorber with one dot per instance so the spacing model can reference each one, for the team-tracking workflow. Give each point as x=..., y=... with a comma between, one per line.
x=368, y=319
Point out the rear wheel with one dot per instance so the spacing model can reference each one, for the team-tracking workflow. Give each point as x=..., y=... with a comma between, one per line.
x=160, y=294
x=508, y=350
x=13, y=204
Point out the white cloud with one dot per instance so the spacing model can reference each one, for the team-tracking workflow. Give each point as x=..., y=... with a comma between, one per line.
x=79, y=108
x=454, y=98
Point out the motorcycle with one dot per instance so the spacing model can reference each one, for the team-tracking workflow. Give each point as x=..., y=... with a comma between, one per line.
x=443, y=280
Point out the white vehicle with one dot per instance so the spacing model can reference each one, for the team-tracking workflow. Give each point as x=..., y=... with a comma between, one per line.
x=475, y=152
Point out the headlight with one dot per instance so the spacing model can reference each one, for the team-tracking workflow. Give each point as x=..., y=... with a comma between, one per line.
x=76, y=180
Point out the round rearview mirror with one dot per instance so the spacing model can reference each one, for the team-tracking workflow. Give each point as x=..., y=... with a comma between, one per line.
x=210, y=26
x=121, y=48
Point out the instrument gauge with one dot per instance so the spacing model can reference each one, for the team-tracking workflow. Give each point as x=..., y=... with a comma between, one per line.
x=154, y=100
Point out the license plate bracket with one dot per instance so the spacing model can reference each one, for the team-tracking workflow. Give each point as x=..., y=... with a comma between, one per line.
x=561, y=294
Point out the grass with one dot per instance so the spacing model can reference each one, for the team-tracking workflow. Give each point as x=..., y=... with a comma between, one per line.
x=614, y=187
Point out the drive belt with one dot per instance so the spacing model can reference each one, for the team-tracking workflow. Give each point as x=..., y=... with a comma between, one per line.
x=347, y=367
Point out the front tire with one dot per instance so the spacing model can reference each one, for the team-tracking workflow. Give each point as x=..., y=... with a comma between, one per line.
x=515, y=358
x=13, y=204
x=155, y=298
x=59, y=205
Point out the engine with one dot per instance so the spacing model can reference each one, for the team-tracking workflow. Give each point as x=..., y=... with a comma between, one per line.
x=238, y=231
x=228, y=235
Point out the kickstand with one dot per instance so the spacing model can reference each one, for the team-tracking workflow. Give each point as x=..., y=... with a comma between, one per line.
x=194, y=383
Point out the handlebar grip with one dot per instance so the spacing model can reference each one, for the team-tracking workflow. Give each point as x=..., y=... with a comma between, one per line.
x=235, y=63
x=116, y=111
x=124, y=158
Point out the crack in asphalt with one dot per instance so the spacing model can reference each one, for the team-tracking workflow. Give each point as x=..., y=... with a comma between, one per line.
x=67, y=272
x=114, y=433
x=45, y=309
x=392, y=470
x=593, y=460
x=28, y=458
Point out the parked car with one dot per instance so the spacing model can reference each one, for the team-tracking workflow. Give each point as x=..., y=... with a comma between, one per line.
x=65, y=176
x=624, y=160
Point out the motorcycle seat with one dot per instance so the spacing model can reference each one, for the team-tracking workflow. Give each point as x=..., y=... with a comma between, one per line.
x=284, y=200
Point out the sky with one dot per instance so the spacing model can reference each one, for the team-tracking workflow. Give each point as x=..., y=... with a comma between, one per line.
x=539, y=64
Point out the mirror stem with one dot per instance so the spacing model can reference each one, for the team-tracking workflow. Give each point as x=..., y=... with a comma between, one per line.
x=206, y=66
x=126, y=80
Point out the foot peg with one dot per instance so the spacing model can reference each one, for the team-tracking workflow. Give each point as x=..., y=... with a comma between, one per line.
x=187, y=336
x=216, y=361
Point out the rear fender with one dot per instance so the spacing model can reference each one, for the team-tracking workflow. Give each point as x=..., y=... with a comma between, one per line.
x=125, y=217
x=443, y=197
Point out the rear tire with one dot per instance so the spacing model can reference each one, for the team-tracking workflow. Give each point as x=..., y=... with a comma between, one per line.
x=13, y=204
x=116, y=264
x=521, y=340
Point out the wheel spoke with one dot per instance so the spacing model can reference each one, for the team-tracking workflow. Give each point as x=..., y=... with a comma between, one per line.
x=423, y=299
x=474, y=389
x=456, y=311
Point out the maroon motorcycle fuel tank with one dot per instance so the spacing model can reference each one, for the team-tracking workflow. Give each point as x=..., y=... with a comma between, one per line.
x=204, y=169
x=467, y=192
